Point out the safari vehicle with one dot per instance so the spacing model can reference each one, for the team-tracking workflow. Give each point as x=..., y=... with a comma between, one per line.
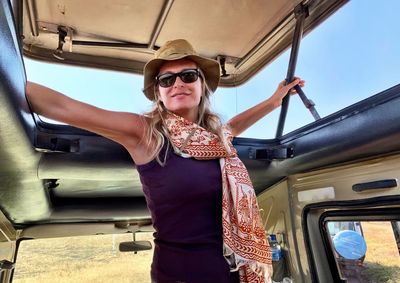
x=59, y=182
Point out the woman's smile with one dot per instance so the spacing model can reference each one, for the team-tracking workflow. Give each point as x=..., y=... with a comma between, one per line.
x=180, y=94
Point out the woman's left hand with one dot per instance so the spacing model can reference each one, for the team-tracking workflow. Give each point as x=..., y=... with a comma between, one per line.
x=284, y=88
x=244, y=120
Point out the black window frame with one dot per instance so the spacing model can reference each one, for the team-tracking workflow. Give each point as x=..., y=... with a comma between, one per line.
x=316, y=216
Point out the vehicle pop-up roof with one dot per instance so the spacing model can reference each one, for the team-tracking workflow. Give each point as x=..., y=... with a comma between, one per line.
x=243, y=35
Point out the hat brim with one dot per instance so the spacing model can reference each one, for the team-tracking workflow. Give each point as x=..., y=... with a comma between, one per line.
x=209, y=67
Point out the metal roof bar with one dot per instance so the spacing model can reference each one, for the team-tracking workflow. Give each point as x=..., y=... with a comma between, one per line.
x=160, y=23
x=301, y=12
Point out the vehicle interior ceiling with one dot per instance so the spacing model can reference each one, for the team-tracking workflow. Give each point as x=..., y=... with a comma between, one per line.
x=57, y=174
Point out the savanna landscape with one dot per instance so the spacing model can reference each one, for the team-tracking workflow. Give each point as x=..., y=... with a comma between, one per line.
x=97, y=259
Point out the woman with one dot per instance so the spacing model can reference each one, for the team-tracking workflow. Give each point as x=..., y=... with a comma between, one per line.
x=181, y=150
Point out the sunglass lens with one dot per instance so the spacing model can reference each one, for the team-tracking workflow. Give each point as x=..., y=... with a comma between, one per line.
x=167, y=80
x=189, y=76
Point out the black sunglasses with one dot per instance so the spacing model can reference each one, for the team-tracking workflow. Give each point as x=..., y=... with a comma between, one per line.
x=187, y=76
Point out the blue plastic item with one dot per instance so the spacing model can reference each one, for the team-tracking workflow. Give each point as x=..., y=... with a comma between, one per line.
x=275, y=248
x=350, y=244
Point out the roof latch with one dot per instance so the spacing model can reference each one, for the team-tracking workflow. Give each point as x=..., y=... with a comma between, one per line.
x=6, y=265
x=269, y=154
x=62, y=33
x=222, y=61
x=56, y=144
x=301, y=10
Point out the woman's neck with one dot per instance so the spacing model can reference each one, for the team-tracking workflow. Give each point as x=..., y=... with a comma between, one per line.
x=191, y=116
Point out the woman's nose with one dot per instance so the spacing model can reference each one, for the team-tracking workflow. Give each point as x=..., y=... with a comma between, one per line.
x=178, y=82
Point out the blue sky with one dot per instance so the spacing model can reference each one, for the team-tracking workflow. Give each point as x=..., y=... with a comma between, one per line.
x=349, y=57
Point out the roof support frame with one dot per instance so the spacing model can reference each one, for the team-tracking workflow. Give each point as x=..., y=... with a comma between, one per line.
x=301, y=13
x=160, y=23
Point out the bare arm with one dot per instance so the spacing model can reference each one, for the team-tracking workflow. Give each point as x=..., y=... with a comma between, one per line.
x=119, y=126
x=244, y=120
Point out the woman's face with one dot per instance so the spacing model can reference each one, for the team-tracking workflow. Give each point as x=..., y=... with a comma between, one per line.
x=181, y=98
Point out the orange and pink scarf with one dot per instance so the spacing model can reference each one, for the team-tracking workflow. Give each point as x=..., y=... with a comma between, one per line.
x=245, y=245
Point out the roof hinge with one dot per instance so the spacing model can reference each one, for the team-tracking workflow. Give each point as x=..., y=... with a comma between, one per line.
x=5, y=264
x=270, y=154
x=55, y=144
x=301, y=10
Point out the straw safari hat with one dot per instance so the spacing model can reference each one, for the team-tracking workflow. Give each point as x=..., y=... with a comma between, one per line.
x=174, y=50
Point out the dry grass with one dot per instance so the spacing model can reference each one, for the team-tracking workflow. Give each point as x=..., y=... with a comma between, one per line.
x=382, y=260
x=97, y=259
x=82, y=259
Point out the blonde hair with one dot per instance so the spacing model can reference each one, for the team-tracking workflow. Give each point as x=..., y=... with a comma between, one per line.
x=158, y=131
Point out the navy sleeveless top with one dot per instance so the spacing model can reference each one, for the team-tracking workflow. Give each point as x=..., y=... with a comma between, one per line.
x=185, y=201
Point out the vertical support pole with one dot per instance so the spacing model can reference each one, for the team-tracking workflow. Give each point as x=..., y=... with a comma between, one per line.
x=134, y=240
x=396, y=231
x=301, y=12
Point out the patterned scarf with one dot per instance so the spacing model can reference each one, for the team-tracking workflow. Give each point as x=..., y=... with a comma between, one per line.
x=245, y=245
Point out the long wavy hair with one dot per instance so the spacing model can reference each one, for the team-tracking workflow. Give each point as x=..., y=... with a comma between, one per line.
x=157, y=130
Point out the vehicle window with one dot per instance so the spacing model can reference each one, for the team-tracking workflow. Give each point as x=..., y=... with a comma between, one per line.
x=110, y=90
x=82, y=259
x=366, y=251
x=346, y=59
x=349, y=57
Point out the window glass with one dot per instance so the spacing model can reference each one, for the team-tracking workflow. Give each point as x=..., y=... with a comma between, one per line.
x=110, y=90
x=353, y=55
x=82, y=259
x=366, y=251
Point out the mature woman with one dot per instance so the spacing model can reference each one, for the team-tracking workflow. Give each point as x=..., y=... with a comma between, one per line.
x=203, y=207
